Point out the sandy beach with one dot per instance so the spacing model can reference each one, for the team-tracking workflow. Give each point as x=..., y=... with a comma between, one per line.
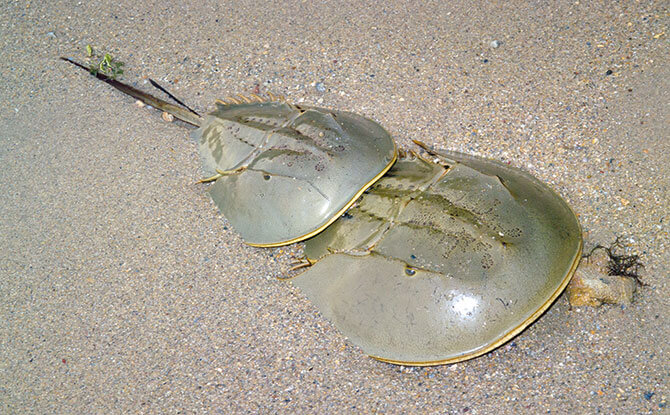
x=123, y=290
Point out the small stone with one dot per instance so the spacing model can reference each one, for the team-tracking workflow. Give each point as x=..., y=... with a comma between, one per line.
x=167, y=117
x=591, y=286
x=140, y=104
x=495, y=44
x=320, y=87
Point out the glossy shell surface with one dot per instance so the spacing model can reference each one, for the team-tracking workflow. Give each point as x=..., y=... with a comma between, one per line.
x=442, y=262
x=285, y=171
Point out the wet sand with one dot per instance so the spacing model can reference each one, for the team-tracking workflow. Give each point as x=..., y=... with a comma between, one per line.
x=122, y=290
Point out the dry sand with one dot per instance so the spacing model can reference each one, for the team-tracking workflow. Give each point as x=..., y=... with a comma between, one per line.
x=122, y=290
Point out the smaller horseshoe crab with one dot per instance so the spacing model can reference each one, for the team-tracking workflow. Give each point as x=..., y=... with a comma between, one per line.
x=442, y=261
x=282, y=173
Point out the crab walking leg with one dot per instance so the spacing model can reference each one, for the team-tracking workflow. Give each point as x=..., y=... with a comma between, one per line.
x=222, y=173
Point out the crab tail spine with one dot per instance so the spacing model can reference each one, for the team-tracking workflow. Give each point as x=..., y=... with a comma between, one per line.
x=174, y=98
x=179, y=112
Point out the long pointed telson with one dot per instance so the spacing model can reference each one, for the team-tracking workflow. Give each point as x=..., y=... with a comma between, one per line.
x=175, y=99
x=179, y=112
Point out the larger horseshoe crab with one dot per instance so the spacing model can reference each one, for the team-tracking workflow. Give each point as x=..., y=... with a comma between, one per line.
x=443, y=261
x=282, y=173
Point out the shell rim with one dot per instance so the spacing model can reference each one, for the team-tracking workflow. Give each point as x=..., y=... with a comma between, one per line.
x=339, y=212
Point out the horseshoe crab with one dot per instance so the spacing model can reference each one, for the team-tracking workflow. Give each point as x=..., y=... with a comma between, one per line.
x=282, y=173
x=442, y=261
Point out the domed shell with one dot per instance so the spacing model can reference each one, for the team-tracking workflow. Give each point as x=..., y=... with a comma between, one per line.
x=442, y=262
x=285, y=172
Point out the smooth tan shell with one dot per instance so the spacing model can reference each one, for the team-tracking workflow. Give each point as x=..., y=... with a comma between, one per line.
x=442, y=262
x=287, y=172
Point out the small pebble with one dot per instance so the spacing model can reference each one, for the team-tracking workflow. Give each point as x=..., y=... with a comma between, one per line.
x=167, y=117
x=495, y=44
x=590, y=288
x=320, y=87
x=140, y=104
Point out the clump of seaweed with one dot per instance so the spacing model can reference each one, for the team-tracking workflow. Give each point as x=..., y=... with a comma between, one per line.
x=103, y=63
x=619, y=263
